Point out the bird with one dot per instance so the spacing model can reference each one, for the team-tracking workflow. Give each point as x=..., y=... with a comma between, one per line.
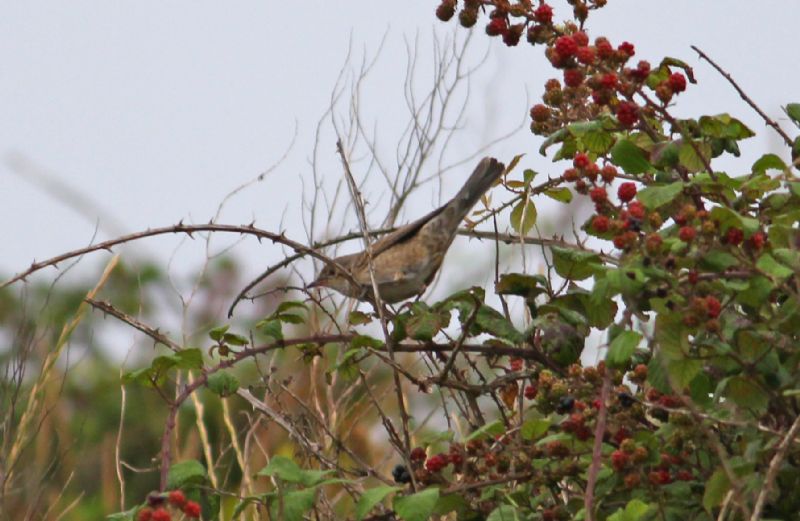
x=405, y=261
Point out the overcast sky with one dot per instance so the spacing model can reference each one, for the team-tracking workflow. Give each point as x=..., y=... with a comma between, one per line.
x=152, y=111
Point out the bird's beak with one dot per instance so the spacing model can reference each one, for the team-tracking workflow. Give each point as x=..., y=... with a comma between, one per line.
x=316, y=283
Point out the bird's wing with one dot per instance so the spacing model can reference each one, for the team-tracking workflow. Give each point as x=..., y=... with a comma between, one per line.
x=404, y=233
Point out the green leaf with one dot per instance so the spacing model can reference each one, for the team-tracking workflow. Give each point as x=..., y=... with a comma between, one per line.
x=717, y=260
x=217, y=333
x=657, y=196
x=128, y=515
x=520, y=284
x=271, y=328
x=793, y=111
x=770, y=266
x=370, y=498
x=716, y=489
x=635, y=510
x=359, y=341
x=505, y=513
x=489, y=430
x=629, y=157
x=416, y=507
x=561, y=194
x=574, y=264
x=728, y=218
x=287, y=470
x=622, y=348
x=425, y=325
x=688, y=155
x=513, y=163
x=295, y=504
x=185, y=474
x=223, y=383
x=745, y=393
x=556, y=137
x=522, y=224
x=234, y=339
x=356, y=318
x=768, y=162
x=533, y=428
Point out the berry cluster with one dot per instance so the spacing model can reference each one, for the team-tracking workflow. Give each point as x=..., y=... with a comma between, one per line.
x=159, y=507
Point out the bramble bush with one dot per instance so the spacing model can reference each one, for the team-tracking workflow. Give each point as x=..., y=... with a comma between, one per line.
x=690, y=274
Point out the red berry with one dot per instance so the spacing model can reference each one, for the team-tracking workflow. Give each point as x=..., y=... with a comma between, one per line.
x=543, y=14
x=653, y=243
x=619, y=460
x=684, y=475
x=497, y=26
x=512, y=36
x=456, y=458
x=641, y=71
x=540, y=112
x=598, y=194
x=659, y=477
x=596, y=403
x=627, y=113
x=713, y=306
x=585, y=55
x=581, y=39
x=417, y=454
x=603, y=46
x=580, y=160
x=436, y=463
x=531, y=392
x=687, y=233
x=161, y=514
x=627, y=49
x=735, y=236
x=144, y=514
x=621, y=435
x=566, y=46
x=570, y=174
x=517, y=364
x=600, y=224
x=636, y=209
x=692, y=277
x=573, y=77
x=177, y=498
x=608, y=173
x=677, y=82
x=192, y=509
x=757, y=240
x=609, y=80
x=626, y=192
x=620, y=242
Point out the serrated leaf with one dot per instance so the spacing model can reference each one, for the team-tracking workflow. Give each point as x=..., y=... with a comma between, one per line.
x=287, y=470
x=622, y=348
x=654, y=197
x=424, y=326
x=416, y=507
x=271, y=327
x=520, y=284
x=561, y=194
x=223, y=383
x=745, y=393
x=370, y=498
x=629, y=157
x=523, y=216
x=534, y=428
x=186, y=474
x=295, y=504
x=689, y=157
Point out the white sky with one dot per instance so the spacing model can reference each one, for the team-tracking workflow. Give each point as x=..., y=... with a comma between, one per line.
x=155, y=110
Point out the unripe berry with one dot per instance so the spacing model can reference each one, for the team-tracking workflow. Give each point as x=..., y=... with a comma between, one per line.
x=517, y=364
x=446, y=10
x=600, y=224
x=619, y=460
x=659, y=477
x=497, y=26
x=628, y=446
x=664, y=92
x=192, y=509
x=540, y=112
x=713, y=306
x=640, y=372
x=573, y=77
x=566, y=46
x=653, y=243
x=571, y=175
x=580, y=160
x=543, y=14
x=626, y=191
x=604, y=48
x=627, y=114
x=512, y=36
x=598, y=194
x=734, y=236
x=609, y=81
x=677, y=82
x=468, y=17
x=417, y=454
x=581, y=187
x=632, y=480
x=161, y=514
x=608, y=173
x=531, y=392
x=581, y=39
x=636, y=209
x=144, y=514
x=687, y=233
x=585, y=55
x=626, y=49
x=641, y=71
x=757, y=240
x=684, y=475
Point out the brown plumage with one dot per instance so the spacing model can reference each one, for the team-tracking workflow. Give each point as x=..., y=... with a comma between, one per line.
x=406, y=260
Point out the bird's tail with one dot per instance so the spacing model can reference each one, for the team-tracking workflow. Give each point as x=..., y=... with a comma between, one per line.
x=482, y=178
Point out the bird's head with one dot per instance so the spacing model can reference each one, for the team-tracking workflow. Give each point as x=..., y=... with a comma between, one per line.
x=332, y=276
